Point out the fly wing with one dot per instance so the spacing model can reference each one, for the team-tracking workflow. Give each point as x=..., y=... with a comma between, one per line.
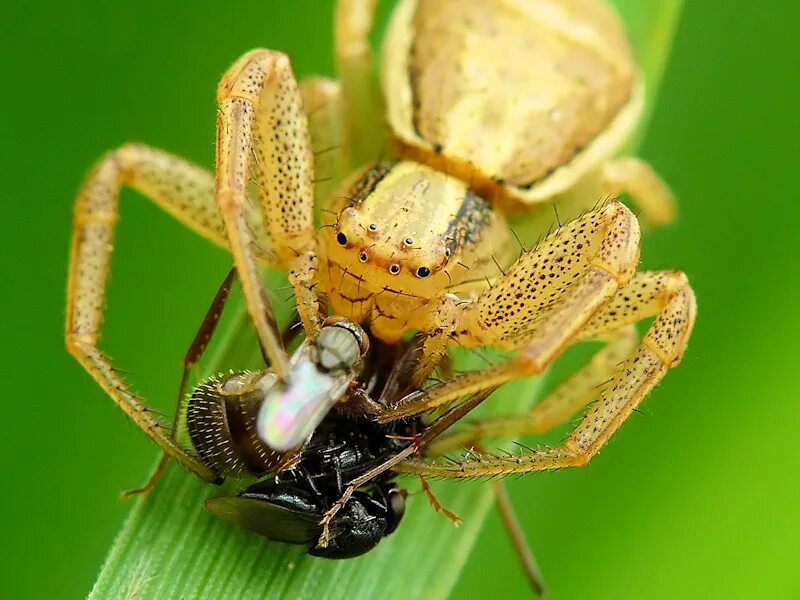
x=290, y=414
x=294, y=525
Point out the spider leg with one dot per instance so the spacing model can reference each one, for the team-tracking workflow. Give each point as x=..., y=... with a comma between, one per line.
x=539, y=306
x=570, y=396
x=648, y=191
x=182, y=189
x=365, y=138
x=261, y=125
x=521, y=546
x=433, y=350
x=322, y=101
x=666, y=294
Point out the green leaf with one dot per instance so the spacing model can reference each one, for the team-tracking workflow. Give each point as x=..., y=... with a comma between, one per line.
x=169, y=547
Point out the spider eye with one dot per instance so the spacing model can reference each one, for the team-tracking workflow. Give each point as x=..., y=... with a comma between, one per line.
x=423, y=272
x=447, y=252
x=373, y=227
x=342, y=239
x=408, y=241
x=394, y=269
x=362, y=257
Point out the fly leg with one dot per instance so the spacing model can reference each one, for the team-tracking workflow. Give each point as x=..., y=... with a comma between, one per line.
x=196, y=350
x=420, y=441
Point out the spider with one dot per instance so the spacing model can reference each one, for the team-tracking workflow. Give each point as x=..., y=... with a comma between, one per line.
x=419, y=242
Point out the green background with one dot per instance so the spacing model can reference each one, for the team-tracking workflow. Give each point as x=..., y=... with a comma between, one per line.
x=698, y=497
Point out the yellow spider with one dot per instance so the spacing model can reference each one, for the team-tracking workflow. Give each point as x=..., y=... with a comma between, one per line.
x=491, y=105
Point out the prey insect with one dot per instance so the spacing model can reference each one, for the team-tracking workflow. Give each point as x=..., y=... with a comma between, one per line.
x=289, y=506
x=221, y=426
x=344, y=463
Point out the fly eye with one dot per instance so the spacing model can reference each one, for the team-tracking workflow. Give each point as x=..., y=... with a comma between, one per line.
x=362, y=257
x=341, y=238
x=423, y=272
x=394, y=269
x=373, y=227
x=338, y=349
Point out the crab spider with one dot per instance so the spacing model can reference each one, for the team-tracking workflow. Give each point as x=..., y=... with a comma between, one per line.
x=412, y=245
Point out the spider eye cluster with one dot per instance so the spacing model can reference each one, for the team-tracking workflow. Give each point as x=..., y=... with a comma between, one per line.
x=395, y=268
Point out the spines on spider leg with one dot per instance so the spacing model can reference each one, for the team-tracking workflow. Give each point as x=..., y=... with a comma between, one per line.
x=662, y=349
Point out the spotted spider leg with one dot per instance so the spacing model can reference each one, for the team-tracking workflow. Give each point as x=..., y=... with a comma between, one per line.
x=565, y=400
x=261, y=126
x=665, y=294
x=539, y=306
x=187, y=192
x=182, y=189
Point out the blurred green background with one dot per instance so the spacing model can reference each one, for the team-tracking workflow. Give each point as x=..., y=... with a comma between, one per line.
x=699, y=497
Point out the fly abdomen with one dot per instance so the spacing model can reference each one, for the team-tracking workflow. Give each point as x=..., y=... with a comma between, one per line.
x=220, y=420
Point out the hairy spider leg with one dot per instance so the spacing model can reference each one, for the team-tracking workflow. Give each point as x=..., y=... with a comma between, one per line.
x=182, y=189
x=563, y=402
x=664, y=294
x=539, y=306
